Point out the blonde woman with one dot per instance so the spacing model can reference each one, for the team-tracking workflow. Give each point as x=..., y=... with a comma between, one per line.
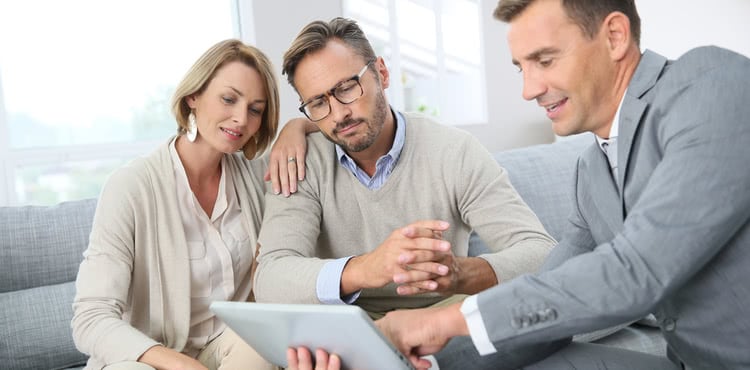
x=177, y=230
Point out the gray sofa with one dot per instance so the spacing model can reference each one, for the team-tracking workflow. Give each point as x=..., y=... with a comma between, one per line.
x=41, y=248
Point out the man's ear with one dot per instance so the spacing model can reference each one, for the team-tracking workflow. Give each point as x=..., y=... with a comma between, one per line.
x=385, y=77
x=616, y=28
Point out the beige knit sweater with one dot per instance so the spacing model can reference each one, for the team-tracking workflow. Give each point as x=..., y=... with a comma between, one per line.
x=443, y=173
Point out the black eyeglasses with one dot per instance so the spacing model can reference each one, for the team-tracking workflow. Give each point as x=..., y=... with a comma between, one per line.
x=346, y=92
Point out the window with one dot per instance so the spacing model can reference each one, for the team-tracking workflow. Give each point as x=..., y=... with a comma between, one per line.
x=85, y=86
x=433, y=51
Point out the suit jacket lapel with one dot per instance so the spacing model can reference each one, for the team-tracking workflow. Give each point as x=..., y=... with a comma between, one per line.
x=645, y=77
x=630, y=119
x=604, y=190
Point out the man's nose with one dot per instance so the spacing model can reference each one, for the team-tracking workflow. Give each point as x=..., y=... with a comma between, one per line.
x=533, y=85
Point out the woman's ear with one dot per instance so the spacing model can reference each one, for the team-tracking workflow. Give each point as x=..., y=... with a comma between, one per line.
x=190, y=100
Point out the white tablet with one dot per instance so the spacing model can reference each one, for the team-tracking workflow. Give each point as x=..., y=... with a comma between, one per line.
x=344, y=330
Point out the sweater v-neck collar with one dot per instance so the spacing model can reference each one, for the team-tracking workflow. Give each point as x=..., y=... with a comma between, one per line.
x=398, y=169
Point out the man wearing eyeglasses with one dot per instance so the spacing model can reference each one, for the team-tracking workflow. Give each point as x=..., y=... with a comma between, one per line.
x=383, y=217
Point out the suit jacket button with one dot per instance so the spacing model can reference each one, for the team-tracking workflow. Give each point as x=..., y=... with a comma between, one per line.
x=668, y=324
x=535, y=317
x=515, y=323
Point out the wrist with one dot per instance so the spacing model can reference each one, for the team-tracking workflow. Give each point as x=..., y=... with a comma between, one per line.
x=160, y=358
x=453, y=316
x=475, y=275
x=351, y=280
x=299, y=125
x=310, y=127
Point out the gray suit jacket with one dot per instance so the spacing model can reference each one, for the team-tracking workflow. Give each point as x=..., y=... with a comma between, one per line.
x=672, y=239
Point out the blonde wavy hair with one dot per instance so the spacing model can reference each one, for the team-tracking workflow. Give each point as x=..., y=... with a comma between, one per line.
x=202, y=72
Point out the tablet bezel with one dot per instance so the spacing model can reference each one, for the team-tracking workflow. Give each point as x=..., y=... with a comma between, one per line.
x=270, y=328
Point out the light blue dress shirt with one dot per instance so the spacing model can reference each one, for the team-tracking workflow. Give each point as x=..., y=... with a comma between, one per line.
x=328, y=285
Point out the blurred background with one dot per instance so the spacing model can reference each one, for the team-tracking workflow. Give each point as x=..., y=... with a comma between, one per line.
x=85, y=85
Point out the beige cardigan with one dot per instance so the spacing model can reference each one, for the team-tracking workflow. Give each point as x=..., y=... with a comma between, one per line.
x=133, y=286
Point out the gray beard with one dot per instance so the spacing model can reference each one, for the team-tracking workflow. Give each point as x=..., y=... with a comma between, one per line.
x=374, y=127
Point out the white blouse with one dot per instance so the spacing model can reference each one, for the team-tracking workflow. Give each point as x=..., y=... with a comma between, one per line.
x=219, y=256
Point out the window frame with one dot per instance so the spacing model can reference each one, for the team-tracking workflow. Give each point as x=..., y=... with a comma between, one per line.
x=395, y=61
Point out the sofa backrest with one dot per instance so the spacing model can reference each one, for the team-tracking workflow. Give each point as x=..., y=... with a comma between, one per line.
x=543, y=176
x=43, y=245
x=40, y=251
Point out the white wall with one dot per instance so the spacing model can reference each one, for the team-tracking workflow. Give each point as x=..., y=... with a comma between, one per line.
x=277, y=23
x=672, y=27
x=513, y=122
x=669, y=27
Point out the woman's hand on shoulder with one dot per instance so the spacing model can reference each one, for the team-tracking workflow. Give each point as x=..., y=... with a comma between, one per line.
x=286, y=164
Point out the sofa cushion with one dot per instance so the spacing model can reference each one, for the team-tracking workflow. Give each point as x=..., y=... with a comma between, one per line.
x=43, y=245
x=543, y=176
x=35, y=328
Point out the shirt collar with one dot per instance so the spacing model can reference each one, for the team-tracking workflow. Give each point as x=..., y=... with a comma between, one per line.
x=614, y=129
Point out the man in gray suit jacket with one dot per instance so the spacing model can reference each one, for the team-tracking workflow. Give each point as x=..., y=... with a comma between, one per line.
x=662, y=205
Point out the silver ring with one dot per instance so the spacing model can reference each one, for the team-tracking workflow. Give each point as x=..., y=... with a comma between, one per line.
x=291, y=159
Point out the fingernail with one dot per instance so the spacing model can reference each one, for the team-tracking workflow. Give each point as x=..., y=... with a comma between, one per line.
x=399, y=278
x=445, y=246
x=442, y=270
x=402, y=258
x=444, y=224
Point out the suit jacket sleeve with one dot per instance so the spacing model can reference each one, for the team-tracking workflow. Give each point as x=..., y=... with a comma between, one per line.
x=576, y=240
x=694, y=202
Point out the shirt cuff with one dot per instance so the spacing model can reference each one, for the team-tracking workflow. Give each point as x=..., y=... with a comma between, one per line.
x=328, y=286
x=473, y=317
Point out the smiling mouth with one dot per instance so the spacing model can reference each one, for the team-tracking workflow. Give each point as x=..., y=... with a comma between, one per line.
x=552, y=107
x=230, y=132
